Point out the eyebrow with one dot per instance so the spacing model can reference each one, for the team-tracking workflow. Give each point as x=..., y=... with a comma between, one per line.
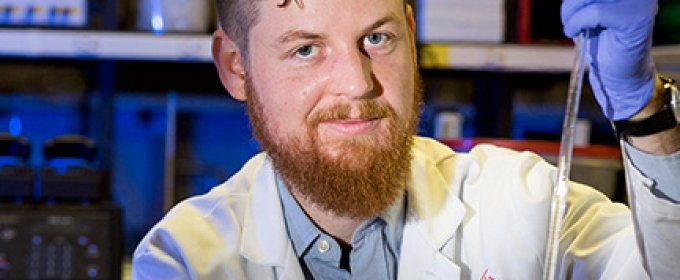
x=306, y=35
x=298, y=34
x=384, y=20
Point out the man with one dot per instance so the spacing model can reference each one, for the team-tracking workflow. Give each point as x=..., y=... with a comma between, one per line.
x=344, y=190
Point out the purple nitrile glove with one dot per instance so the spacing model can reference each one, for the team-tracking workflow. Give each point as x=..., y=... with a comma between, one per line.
x=618, y=46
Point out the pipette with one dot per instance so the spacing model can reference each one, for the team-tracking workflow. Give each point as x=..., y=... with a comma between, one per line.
x=561, y=188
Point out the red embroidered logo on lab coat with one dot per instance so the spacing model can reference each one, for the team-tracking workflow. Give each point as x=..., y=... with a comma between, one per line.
x=486, y=277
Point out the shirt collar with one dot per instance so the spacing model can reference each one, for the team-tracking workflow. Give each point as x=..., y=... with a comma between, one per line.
x=303, y=232
x=394, y=217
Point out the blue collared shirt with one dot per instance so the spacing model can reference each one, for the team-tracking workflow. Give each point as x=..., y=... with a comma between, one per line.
x=663, y=169
x=375, y=243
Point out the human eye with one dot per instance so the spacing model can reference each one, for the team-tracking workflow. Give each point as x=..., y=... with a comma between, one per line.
x=306, y=51
x=375, y=39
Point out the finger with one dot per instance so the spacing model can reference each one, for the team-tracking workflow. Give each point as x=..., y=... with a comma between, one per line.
x=586, y=18
x=570, y=7
x=618, y=15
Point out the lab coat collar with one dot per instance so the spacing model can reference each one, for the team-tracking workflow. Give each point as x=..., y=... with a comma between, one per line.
x=264, y=241
x=434, y=215
x=433, y=204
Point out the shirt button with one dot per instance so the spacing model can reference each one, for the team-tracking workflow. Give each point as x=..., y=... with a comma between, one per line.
x=323, y=246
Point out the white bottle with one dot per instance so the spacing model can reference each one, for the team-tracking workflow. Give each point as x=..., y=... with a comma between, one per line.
x=173, y=15
x=448, y=125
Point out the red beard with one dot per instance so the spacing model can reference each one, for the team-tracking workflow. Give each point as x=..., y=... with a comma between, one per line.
x=369, y=174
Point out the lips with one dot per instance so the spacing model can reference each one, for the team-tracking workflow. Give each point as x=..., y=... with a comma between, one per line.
x=351, y=127
x=347, y=120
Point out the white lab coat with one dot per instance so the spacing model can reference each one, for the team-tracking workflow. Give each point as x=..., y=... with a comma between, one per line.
x=480, y=215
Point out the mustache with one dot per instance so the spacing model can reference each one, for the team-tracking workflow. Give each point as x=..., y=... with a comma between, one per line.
x=367, y=109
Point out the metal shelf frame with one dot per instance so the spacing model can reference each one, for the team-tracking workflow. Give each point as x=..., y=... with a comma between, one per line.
x=113, y=45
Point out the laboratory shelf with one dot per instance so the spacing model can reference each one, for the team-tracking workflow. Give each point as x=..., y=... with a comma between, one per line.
x=127, y=45
x=524, y=58
x=38, y=43
x=187, y=47
x=667, y=59
x=492, y=57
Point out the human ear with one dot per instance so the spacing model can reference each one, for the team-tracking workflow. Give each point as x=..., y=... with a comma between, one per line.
x=229, y=64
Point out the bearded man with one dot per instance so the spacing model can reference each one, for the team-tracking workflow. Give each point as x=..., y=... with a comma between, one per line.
x=345, y=190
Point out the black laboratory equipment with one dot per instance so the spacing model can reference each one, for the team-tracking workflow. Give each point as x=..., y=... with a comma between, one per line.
x=16, y=177
x=70, y=229
x=68, y=173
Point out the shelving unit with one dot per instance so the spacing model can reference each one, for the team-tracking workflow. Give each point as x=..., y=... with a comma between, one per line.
x=487, y=57
x=36, y=43
x=494, y=63
x=196, y=48
x=524, y=58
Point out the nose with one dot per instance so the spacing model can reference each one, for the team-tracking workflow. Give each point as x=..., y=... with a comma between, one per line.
x=352, y=74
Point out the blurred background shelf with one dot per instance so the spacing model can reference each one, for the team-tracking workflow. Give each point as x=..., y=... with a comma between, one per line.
x=667, y=59
x=118, y=45
x=497, y=57
x=145, y=46
x=523, y=57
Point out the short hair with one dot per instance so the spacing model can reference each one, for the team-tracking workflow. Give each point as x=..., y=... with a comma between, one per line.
x=237, y=17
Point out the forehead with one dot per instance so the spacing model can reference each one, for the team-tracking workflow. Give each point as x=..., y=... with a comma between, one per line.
x=324, y=16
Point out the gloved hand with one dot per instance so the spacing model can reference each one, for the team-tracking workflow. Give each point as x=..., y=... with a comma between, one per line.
x=618, y=46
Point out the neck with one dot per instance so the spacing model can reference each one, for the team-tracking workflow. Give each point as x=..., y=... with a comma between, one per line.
x=341, y=228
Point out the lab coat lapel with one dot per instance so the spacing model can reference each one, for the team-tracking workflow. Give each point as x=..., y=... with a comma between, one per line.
x=265, y=242
x=434, y=215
